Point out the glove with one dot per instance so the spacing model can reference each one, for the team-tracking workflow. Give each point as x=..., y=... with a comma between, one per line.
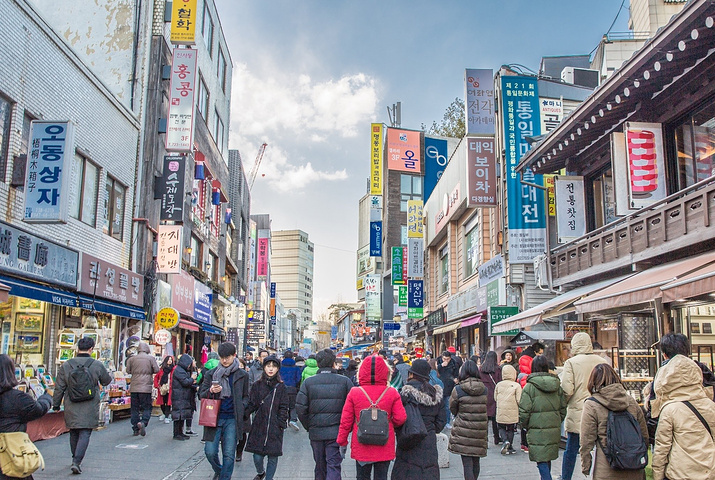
x=343, y=451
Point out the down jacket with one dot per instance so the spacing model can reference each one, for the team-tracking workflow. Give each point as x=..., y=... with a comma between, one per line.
x=310, y=369
x=541, y=410
x=183, y=390
x=373, y=376
x=525, y=361
x=514, y=361
x=507, y=395
x=269, y=399
x=468, y=403
x=142, y=368
x=239, y=393
x=683, y=447
x=320, y=403
x=574, y=378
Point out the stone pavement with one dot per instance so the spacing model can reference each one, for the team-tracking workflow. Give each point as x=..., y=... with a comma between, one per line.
x=115, y=454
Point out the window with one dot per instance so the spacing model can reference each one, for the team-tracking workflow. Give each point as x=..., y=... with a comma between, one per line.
x=444, y=269
x=85, y=187
x=471, y=247
x=410, y=189
x=211, y=270
x=208, y=29
x=695, y=141
x=5, y=114
x=694, y=328
x=218, y=131
x=222, y=70
x=114, y=208
x=203, y=100
x=195, y=252
x=707, y=328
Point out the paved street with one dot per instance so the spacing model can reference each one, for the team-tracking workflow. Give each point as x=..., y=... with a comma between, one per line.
x=114, y=453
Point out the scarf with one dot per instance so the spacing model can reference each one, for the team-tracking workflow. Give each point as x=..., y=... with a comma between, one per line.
x=222, y=373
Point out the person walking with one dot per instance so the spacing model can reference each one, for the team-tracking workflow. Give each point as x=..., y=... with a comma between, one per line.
x=421, y=461
x=434, y=379
x=310, y=369
x=319, y=405
x=574, y=382
x=490, y=375
x=162, y=383
x=351, y=371
x=470, y=433
x=607, y=395
x=402, y=368
x=507, y=395
x=246, y=420
x=256, y=370
x=542, y=408
x=291, y=376
x=142, y=367
x=525, y=359
x=211, y=363
x=448, y=372
x=372, y=461
x=268, y=398
x=78, y=383
x=183, y=396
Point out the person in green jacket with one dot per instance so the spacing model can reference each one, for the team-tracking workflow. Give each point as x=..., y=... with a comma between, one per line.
x=212, y=362
x=311, y=368
x=542, y=408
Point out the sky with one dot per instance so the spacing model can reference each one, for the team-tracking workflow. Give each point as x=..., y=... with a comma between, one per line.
x=309, y=76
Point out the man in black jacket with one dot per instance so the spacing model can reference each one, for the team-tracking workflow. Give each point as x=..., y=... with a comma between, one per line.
x=319, y=406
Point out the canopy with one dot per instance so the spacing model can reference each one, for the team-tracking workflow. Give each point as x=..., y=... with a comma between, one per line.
x=446, y=328
x=700, y=282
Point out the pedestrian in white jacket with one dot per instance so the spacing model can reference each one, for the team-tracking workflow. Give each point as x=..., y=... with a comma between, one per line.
x=507, y=394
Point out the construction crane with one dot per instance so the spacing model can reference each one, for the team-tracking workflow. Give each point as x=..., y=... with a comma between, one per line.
x=254, y=169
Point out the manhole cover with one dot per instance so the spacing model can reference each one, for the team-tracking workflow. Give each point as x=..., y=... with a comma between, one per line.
x=132, y=446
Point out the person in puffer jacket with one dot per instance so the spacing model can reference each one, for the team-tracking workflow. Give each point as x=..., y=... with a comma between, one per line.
x=291, y=376
x=311, y=368
x=507, y=395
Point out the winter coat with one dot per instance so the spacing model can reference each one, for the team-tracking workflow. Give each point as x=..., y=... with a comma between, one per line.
x=594, y=425
x=507, y=395
x=269, y=399
x=183, y=390
x=239, y=393
x=527, y=357
x=373, y=376
x=320, y=403
x=542, y=408
x=490, y=381
x=157, y=384
x=290, y=374
x=402, y=369
x=447, y=375
x=142, y=368
x=311, y=368
x=210, y=364
x=514, y=361
x=421, y=462
x=254, y=372
x=683, y=448
x=80, y=414
x=574, y=378
x=434, y=379
x=468, y=404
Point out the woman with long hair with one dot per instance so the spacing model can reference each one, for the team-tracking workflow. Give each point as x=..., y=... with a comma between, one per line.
x=164, y=377
x=490, y=374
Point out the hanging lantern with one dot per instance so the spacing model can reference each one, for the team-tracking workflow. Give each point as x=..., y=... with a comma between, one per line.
x=227, y=217
x=216, y=197
x=199, y=171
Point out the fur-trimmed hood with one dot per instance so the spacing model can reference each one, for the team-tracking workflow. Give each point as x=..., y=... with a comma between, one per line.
x=410, y=392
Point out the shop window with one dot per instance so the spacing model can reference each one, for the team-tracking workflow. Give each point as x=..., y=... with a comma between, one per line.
x=207, y=29
x=203, y=100
x=444, y=269
x=410, y=189
x=695, y=144
x=114, y=208
x=83, y=194
x=5, y=115
x=195, y=255
x=471, y=247
x=222, y=70
x=23, y=330
x=604, y=199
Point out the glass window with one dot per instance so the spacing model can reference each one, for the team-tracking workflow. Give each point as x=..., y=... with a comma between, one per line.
x=471, y=251
x=410, y=189
x=208, y=29
x=114, y=208
x=5, y=114
x=203, y=100
x=85, y=187
x=222, y=70
x=444, y=269
x=695, y=141
x=195, y=252
x=218, y=131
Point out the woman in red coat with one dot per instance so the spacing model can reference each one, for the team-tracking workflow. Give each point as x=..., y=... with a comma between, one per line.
x=163, y=377
x=373, y=376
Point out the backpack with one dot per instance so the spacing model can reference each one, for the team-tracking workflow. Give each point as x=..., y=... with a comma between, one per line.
x=627, y=449
x=373, y=426
x=19, y=457
x=81, y=384
x=413, y=431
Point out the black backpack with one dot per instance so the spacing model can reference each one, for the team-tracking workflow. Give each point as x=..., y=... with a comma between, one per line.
x=81, y=384
x=373, y=426
x=627, y=449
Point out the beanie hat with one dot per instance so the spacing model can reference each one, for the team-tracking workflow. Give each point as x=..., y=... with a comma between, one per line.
x=271, y=359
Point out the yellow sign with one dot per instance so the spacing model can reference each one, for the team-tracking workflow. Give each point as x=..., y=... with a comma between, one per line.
x=376, y=159
x=183, y=22
x=359, y=283
x=549, y=182
x=167, y=318
x=414, y=219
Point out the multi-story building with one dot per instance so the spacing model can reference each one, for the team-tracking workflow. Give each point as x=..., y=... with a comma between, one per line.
x=240, y=203
x=259, y=280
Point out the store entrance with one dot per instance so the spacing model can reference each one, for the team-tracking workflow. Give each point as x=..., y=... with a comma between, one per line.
x=697, y=322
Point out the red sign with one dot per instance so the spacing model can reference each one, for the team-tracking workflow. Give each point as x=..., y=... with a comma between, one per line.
x=481, y=173
x=182, y=293
x=262, y=263
x=403, y=150
x=112, y=282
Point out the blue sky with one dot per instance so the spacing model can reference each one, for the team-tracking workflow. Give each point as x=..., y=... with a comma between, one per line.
x=310, y=75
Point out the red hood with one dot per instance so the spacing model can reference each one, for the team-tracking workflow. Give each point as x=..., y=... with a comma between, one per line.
x=373, y=371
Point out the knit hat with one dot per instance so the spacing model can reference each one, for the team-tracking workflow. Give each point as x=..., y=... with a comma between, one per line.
x=273, y=359
x=420, y=368
x=452, y=350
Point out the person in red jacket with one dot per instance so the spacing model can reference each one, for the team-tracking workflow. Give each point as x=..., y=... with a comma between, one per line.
x=525, y=360
x=373, y=376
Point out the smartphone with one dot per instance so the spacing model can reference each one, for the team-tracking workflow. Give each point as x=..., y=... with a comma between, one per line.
x=215, y=382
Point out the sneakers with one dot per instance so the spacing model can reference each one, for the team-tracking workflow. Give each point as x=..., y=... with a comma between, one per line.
x=260, y=476
x=524, y=448
x=161, y=417
x=142, y=429
x=76, y=469
x=294, y=425
x=191, y=433
x=136, y=433
x=511, y=451
x=505, y=448
x=181, y=437
x=167, y=421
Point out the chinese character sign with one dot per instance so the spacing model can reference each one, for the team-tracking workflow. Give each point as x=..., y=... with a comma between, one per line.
x=570, y=208
x=415, y=299
x=169, y=248
x=376, y=159
x=646, y=163
x=436, y=157
x=403, y=150
x=415, y=258
x=397, y=264
x=47, y=176
x=479, y=105
x=183, y=22
x=182, y=89
x=481, y=173
x=172, y=189
x=262, y=261
x=414, y=219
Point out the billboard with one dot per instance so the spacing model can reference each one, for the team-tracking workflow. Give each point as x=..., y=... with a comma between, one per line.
x=182, y=92
x=481, y=173
x=376, y=159
x=415, y=258
x=169, y=248
x=436, y=158
x=183, y=22
x=403, y=150
x=376, y=239
x=262, y=261
x=172, y=189
x=372, y=284
x=415, y=299
x=479, y=104
x=399, y=274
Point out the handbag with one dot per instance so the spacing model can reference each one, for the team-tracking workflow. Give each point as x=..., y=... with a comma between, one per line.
x=19, y=457
x=164, y=389
x=413, y=431
x=208, y=413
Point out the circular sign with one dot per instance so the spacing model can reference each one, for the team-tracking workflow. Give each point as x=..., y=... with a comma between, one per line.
x=162, y=337
x=167, y=318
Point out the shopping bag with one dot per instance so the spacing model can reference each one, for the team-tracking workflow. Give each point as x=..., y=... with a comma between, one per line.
x=208, y=415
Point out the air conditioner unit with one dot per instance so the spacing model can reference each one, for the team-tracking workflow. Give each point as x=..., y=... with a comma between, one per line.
x=584, y=77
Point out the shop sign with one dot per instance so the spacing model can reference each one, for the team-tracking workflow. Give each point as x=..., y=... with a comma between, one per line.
x=163, y=295
x=403, y=150
x=415, y=223
x=552, y=112
x=496, y=292
x=365, y=263
x=468, y=302
x=619, y=167
x=376, y=204
x=376, y=239
x=167, y=318
x=359, y=284
x=255, y=327
x=436, y=318
x=182, y=88
x=479, y=106
x=106, y=280
x=481, y=173
x=376, y=159
x=182, y=293
x=262, y=265
x=162, y=336
x=172, y=189
x=398, y=273
x=241, y=316
x=646, y=163
x=497, y=314
x=372, y=285
x=415, y=299
x=551, y=192
x=570, y=208
x=449, y=203
x=203, y=296
x=183, y=22
x=416, y=258
x=230, y=316
x=169, y=248
x=402, y=296
x=436, y=157
x=491, y=270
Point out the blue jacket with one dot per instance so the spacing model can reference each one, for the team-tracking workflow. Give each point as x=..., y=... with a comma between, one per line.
x=290, y=373
x=434, y=379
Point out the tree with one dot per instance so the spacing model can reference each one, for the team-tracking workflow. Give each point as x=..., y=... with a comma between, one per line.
x=452, y=124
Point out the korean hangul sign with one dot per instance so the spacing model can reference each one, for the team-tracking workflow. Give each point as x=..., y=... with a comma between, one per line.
x=403, y=150
x=481, y=172
x=646, y=163
x=169, y=254
x=479, y=106
x=376, y=239
x=449, y=204
x=183, y=22
x=415, y=299
x=376, y=159
x=172, y=189
x=372, y=284
x=110, y=281
x=255, y=327
x=491, y=270
x=182, y=293
x=415, y=258
x=262, y=262
x=182, y=92
x=436, y=158
x=549, y=183
x=203, y=296
x=402, y=296
x=552, y=112
x=365, y=263
x=526, y=204
x=414, y=219
x=48, y=172
x=570, y=208
x=399, y=275
x=497, y=314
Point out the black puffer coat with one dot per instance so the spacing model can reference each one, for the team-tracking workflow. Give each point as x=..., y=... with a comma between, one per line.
x=468, y=403
x=421, y=462
x=183, y=390
x=448, y=374
x=269, y=399
x=320, y=403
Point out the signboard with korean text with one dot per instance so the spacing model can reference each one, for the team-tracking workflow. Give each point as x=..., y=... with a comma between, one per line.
x=372, y=284
x=497, y=314
x=182, y=89
x=415, y=299
x=619, y=167
x=549, y=183
x=241, y=316
x=182, y=293
x=436, y=158
x=491, y=270
x=230, y=316
x=376, y=159
x=262, y=261
x=551, y=111
x=403, y=150
x=203, y=296
x=481, y=173
x=646, y=163
x=376, y=239
x=48, y=171
x=272, y=304
x=415, y=258
x=365, y=263
x=525, y=203
x=479, y=104
x=183, y=22
x=172, y=189
x=570, y=208
x=170, y=243
x=256, y=327
x=415, y=223
x=167, y=318
x=106, y=280
x=449, y=205
x=398, y=277
x=402, y=296
x=162, y=337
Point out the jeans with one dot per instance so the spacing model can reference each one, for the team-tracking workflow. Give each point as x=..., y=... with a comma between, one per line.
x=506, y=432
x=544, y=470
x=292, y=395
x=446, y=407
x=141, y=409
x=573, y=443
x=471, y=467
x=326, y=454
x=226, y=436
x=79, y=441
x=364, y=472
x=270, y=468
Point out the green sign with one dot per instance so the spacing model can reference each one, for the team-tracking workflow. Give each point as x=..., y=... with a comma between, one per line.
x=397, y=266
x=414, y=312
x=402, y=296
x=493, y=293
x=497, y=314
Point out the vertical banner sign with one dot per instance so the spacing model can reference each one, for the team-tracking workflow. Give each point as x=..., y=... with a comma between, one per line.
x=372, y=297
x=415, y=260
x=402, y=296
x=415, y=299
x=48, y=171
x=552, y=112
x=203, y=298
x=481, y=173
x=619, y=167
x=169, y=248
x=376, y=239
x=182, y=89
x=376, y=159
x=403, y=150
x=570, y=208
x=172, y=189
x=436, y=156
x=549, y=183
x=479, y=106
x=397, y=274
x=262, y=262
x=183, y=22
x=415, y=211
x=646, y=163
x=526, y=209
x=272, y=306
x=404, y=265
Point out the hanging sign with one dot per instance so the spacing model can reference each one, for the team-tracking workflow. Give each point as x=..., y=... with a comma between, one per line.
x=397, y=266
x=172, y=189
x=415, y=228
x=415, y=299
x=183, y=22
x=403, y=150
x=376, y=239
x=169, y=248
x=162, y=336
x=646, y=163
x=570, y=208
x=376, y=159
x=481, y=173
x=167, y=318
x=372, y=297
x=402, y=296
x=479, y=105
x=436, y=157
x=182, y=89
x=415, y=258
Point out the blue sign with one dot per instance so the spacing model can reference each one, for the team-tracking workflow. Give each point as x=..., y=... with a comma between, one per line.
x=376, y=239
x=390, y=326
x=273, y=289
x=415, y=294
x=203, y=296
x=334, y=332
x=436, y=157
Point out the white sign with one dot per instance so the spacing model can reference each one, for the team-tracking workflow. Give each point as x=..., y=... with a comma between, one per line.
x=376, y=201
x=372, y=297
x=169, y=254
x=646, y=163
x=415, y=258
x=570, y=208
x=491, y=270
x=47, y=176
x=162, y=337
x=241, y=309
x=619, y=167
x=182, y=91
x=479, y=105
x=552, y=112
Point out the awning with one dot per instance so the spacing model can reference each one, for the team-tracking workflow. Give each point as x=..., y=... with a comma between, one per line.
x=112, y=308
x=471, y=321
x=212, y=329
x=446, y=328
x=644, y=286
x=550, y=308
x=187, y=325
x=700, y=282
x=37, y=291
